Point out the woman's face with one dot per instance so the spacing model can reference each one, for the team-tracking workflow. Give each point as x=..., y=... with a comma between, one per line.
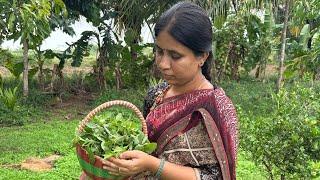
x=176, y=62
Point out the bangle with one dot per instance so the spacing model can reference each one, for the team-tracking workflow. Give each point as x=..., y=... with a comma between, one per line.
x=160, y=169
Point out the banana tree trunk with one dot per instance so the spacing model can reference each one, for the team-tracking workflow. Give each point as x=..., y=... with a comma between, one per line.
x=25, y=68
x=283, y=46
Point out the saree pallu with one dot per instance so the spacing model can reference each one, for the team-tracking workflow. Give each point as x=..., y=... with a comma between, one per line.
x=196, y=129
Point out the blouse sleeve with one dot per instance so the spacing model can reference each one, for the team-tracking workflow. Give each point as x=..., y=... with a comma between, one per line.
x=150, y=97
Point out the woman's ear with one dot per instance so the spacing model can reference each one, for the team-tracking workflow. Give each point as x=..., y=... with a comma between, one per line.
x=202, y=58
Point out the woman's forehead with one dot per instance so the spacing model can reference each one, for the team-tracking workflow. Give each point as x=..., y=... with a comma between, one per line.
x=165, y=41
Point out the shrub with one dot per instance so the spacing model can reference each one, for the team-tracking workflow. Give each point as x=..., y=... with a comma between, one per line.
x=285, y=140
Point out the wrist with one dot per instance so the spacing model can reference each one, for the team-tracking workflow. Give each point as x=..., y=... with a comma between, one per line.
x=153, y=164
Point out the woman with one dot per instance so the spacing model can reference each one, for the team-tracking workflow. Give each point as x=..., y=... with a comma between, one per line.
x=193, y=122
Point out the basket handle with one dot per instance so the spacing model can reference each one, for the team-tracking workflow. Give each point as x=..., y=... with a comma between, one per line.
x=108, y=105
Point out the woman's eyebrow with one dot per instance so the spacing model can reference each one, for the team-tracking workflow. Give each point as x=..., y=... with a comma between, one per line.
x=169, y=50
x=158, y=47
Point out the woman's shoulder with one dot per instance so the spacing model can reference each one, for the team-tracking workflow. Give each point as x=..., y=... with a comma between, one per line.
x=153, y=90
x=151, y=95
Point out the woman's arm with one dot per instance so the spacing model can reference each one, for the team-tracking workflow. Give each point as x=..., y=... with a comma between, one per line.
x=134, y=162
x=171, y=170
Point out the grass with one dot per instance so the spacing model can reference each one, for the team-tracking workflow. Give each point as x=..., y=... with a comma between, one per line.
x=39, y=140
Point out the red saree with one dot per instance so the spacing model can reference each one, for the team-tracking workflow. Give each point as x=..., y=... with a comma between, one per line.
x=176, y=115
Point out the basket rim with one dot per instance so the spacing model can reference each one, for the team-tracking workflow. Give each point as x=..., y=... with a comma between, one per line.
x=109, y=104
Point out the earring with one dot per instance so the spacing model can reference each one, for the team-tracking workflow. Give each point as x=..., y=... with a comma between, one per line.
x=201, y=64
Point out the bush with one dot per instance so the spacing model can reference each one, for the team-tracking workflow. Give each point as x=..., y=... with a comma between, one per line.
x=286, y=141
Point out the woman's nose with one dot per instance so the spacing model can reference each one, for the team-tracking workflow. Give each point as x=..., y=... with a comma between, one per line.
x=163, y=62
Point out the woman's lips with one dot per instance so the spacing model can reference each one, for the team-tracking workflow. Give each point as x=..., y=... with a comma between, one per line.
x=166, y=76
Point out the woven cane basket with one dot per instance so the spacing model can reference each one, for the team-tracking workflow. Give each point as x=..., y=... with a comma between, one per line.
x=95, y=170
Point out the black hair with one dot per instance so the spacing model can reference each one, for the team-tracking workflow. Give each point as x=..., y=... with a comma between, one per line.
x=190, y=25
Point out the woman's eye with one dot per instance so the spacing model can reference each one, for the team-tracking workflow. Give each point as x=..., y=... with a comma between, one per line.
x=159, y=52
x=175, y=56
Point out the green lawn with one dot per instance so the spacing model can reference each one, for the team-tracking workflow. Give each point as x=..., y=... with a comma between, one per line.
x=55, y=137
x=39, y=140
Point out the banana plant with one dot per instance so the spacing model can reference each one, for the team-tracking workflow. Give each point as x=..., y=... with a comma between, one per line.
x=304, y=58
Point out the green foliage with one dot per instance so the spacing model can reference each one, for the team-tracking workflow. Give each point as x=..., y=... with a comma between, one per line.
x=134, y=96
x=15, y=68
x=108, y=135
x=81, y=47
x=30, y=19
x=246, y=169
x=9, y=97
x=232, y=47
x=37, y=98
x=244, y=42
x=134, y=72
x=304, y=56
x=286, y=140
x=5, y=55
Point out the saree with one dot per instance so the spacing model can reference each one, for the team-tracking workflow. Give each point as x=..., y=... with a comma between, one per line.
x=196, y=129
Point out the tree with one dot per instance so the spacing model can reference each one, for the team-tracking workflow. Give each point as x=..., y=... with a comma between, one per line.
x=283, y=45
x=29, y=21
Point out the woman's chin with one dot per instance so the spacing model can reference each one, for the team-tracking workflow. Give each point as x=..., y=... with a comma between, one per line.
x=170, y=81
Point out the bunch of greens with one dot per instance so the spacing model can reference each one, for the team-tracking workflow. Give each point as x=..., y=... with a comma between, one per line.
x=108, y=135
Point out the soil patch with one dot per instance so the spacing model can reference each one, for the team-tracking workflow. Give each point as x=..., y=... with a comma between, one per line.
x=35, y=164
x=73, y=107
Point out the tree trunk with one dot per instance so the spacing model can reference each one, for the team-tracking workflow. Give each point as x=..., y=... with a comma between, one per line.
x=118, y=78
x=61, y=78
x=283, y=46
x=40, y=76
x=57, y=85
x=257, y=74
x=40, y=62
x=269, y=169
x=53, y=78
x=25, y=68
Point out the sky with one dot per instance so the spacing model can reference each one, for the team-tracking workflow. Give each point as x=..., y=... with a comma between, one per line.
x=57, y=40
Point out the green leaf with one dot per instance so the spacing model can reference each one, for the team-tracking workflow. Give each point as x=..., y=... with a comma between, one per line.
x=148, y=147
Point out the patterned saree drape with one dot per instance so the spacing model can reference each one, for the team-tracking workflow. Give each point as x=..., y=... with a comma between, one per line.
x=175, y=115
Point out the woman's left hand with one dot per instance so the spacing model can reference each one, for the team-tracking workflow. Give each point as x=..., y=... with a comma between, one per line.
x=129, y=163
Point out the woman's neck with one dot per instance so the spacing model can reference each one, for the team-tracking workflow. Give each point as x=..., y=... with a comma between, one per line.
x=197, y=82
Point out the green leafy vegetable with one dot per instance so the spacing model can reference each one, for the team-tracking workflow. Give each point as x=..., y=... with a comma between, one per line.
x=110, y=134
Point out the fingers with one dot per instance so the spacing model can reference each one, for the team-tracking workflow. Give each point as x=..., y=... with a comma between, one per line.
x=115, y=167
x=129, y=155
x=118, y=172
x=121, y=163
